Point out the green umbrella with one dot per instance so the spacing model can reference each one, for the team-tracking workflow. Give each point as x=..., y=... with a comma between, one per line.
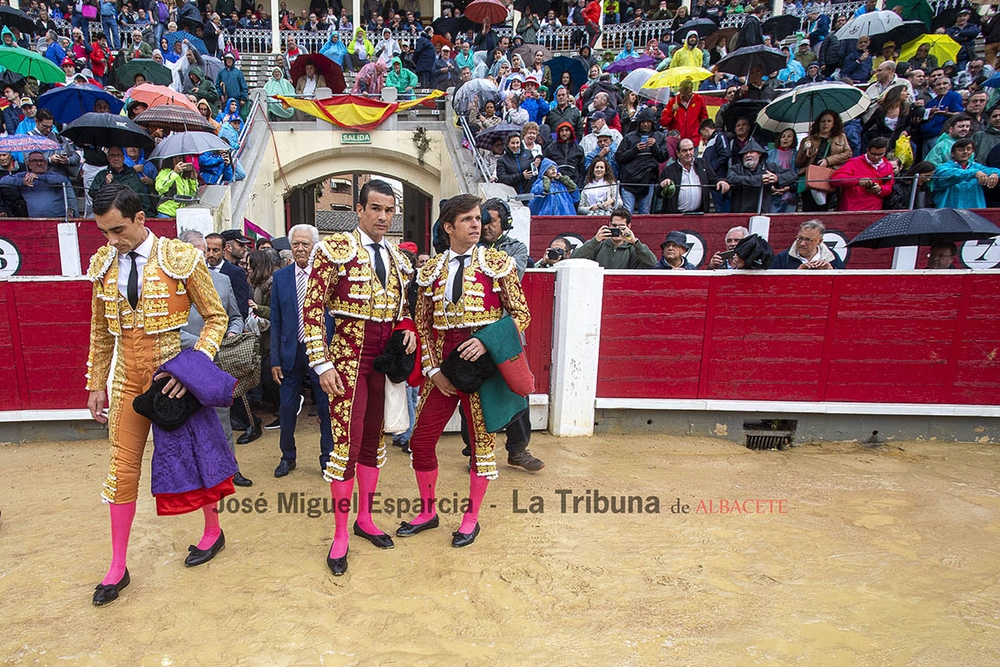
x=916, y=10
x=149, y=68
x=800, y=106
x=28, y=63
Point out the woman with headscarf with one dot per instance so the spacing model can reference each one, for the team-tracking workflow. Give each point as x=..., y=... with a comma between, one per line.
x=388, y=47
x=278, y=85
x=335, y=50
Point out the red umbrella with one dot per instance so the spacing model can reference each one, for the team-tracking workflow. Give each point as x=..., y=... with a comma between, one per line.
x=330, y=71
x=439, y=41
x=152, y=96
x=486, y=11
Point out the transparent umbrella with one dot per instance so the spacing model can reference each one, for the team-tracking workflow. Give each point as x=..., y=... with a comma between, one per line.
x=483, y=90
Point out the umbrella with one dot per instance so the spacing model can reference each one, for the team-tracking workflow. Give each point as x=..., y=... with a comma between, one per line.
x=925, y=226
x=800, y=106
x=748, y=109
x=440, y=40
x=153, y=71
x=943, y=48
x=992, y=82
x=946, y=18
x=211, y=66
x=704, y=28
x=527, y=53
x=486, y=138
x=28, y=63
x=13, y=79
x=21, y=143
x=483, y=89
x=175, y=119
x=718, y=36
x=330, y=70
x=631, y=64
x=539, y=6
x=189, y=143
x=67, y=103
x=105, y=129
x=152, y=95
x=901, y=34
x=741, y=61
x=673, y=77
x=916, y=10
x=872, y=23
x=781, y=26
x=636, y=79
x=181, y=35
x=560, y=64
x=15, y=18
x=486, y=11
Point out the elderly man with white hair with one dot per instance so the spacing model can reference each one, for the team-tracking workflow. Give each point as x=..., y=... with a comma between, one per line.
x=733, y=238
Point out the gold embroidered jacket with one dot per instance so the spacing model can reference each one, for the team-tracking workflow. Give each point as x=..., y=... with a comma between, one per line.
x=489, y=288
x=342, y=280
x=175, y=277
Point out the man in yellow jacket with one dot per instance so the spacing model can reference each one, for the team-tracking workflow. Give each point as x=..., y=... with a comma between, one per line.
x=688, y=55
x=178, y=179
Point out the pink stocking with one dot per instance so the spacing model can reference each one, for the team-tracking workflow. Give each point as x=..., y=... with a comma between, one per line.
x=121, y=525
x=212, y=529
x=367, y=482
x=341, y=492
x=477, y=491
x=426, y=484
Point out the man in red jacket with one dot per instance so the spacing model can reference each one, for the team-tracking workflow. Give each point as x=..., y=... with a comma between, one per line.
x=685, y=112
x=592, y=13
x=866, y=180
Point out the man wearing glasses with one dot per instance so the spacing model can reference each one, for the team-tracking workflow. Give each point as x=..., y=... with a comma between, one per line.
x=808, y=252
x=46, y=192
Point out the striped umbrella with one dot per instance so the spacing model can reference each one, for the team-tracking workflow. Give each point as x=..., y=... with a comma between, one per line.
x=175, y=119
x=799, y=107
x=22, y=143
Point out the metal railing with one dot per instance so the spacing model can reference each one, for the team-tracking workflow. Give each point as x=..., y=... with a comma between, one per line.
x=470, y=138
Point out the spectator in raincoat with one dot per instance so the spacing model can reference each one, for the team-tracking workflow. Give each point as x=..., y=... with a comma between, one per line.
x=202, y=88
x=231, y=82
x=555, y=194
x=179, y=178
x=402, y=79
x=371, y=79
x=278, y=85
x=959, y=182
x=361, y=50
x=231, y=109
x=335, y=50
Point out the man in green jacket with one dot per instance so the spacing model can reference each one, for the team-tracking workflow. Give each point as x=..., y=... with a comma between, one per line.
x=402, y=79
x=117, y=172
x=616, y=247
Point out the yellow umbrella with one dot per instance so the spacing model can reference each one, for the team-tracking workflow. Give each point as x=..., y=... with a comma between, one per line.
x=672, y=78
x=943, y=48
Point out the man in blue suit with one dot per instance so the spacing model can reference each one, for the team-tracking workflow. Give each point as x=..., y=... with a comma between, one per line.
x=289, y=363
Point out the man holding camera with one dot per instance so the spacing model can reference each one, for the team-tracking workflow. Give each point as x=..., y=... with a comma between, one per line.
x=557, y=251
x=616, y=247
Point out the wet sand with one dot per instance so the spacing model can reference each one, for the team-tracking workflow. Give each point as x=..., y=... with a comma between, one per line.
x=858, y=556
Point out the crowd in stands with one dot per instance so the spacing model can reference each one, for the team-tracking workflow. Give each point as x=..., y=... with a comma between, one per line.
x=60, y=182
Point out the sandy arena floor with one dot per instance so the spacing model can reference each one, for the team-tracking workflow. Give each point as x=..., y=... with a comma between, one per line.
x=858, y=557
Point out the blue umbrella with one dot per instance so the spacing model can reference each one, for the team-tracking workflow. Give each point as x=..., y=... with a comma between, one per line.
x=180, y=36
x=561, y=64
x=992, y=82
x=67, y=103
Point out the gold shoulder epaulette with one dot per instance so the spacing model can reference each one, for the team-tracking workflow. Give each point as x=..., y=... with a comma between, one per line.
x=177, y=258
x=496, y=263
x=340, y=248
x=431, y=270
x=100, y=261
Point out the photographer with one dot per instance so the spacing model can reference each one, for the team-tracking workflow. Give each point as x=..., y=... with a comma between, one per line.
x=557, y=251
x=179, y=178
x=616, y=247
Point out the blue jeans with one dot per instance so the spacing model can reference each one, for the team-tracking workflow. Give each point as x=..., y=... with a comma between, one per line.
x=637, y=206
x=290, y=392
x=722, y=202
x=83, y=24
x=110, y=26
x=412, y=398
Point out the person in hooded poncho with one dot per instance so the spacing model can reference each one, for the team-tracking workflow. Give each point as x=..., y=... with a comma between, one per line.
x=555, y=194
x=335, y=50
x=361, y=50
x=202, y=88
x=231, y=109
x=402, y=79
x=371, y=79
x=279, y=85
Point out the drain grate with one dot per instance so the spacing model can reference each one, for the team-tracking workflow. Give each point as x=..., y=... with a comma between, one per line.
x=765, y=434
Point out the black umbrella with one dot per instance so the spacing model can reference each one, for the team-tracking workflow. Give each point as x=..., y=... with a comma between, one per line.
x=539, y=6
x=502, y=131
x=741, y=61
x=704, y=28
x=946, y=19
x=901, y=34
x=14, y=79
x=15, y=18
x=748, y=109
x=781, y=26
x=925, y=226
x=105, y=129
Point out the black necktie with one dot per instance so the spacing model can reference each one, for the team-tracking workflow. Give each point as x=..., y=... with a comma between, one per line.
x=133, y=282
x=456, y=287
x=379, y=264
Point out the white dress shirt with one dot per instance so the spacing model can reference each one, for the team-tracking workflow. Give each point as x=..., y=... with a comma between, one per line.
x=143, y=251
x=689, y=194
x=366, y=241
x=453, y=269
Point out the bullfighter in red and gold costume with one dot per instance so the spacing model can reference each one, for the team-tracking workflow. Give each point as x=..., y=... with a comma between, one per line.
x=460, y=291
x=144, y=287
x=362, y=280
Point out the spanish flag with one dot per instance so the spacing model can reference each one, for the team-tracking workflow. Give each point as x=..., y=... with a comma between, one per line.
x=353, y=111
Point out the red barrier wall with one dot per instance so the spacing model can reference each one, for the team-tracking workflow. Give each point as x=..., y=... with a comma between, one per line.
x=37, y=242
x=711, y=231
x=45, y=328
x=881, y=338
x=43, y=344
